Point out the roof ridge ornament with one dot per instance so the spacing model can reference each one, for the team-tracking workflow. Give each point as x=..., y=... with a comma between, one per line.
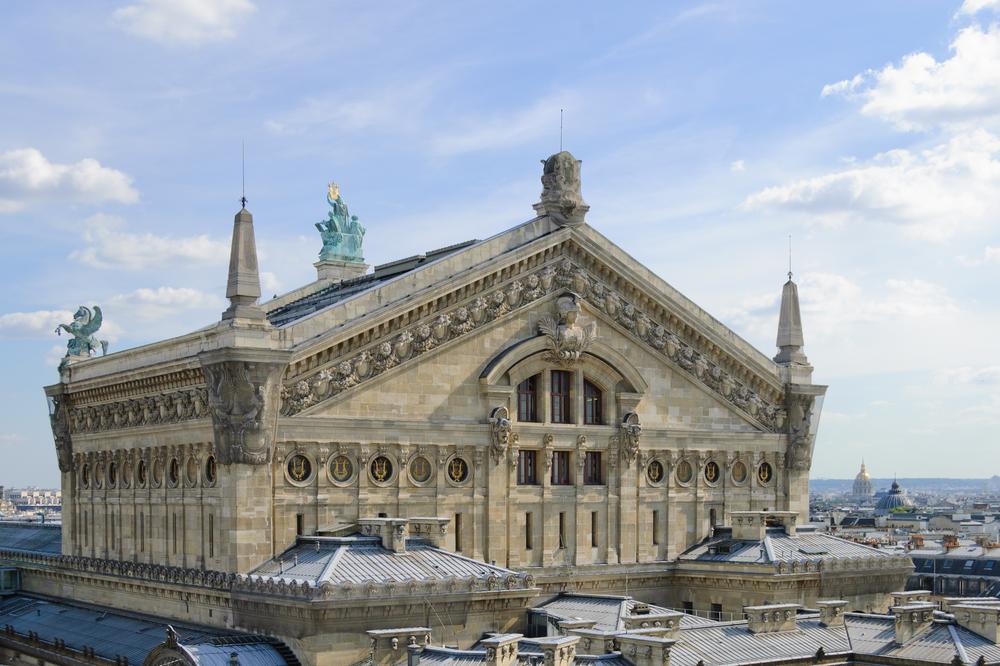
x=561, y=199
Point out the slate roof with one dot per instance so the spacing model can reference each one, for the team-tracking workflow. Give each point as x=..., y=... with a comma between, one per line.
x=31, y=537
x=113, y=634
x=606, y=611
x=965, y=566
x=359, y=559
x=778, y=546
x=339, y=291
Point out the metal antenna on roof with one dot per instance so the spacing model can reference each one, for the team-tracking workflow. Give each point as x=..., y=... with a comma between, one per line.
x=243, y=173
x=789, y=256
x=560, y=129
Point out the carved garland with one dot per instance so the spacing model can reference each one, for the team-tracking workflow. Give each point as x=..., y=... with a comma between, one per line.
x=434, y=331
x=148, y=410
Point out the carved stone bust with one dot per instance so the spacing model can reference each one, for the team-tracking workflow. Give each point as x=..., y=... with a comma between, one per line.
x=561, y=198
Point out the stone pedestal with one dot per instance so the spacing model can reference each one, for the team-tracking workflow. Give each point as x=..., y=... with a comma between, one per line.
x=334, y=270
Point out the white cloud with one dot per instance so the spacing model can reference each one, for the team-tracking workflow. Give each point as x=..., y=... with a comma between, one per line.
x=970, y=375
x=27, y=176
x=975, y=6
x=107, y=245
x=40, y=323
x=187, y=22
x=737, y=166
x=503, y=130
x=991, y=255
x=147, y=304
x=932, y=193
x=921, y=92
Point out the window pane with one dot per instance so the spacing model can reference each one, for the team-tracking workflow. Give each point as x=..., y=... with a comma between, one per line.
x=592, y=404
x=527, y=399
x=561, y=396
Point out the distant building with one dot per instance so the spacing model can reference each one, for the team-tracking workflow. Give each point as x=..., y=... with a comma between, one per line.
x=863, y=488
x=895, y=499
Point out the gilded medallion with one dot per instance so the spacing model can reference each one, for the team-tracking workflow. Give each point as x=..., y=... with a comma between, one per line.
x=684, y=472
x=341, y=469
x=739, y=472
x=420, y=470
x=299, y=468
x=712, y=471
x=458, y=470
x=764, y=473
x=381, y=469
x=654, y=471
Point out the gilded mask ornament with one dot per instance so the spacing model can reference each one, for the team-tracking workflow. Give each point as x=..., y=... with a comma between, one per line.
x=567, y=339
x=299, y=468
x=341, y=469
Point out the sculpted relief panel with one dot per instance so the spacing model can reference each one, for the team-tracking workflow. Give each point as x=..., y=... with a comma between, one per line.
x=568, y=341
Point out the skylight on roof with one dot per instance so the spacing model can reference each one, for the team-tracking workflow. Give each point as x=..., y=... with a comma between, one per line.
x=813, y=550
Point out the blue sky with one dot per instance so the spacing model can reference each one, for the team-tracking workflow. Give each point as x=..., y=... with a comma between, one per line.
x=709, y=132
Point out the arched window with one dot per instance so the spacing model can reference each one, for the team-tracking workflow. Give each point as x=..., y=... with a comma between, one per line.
x=593, y=403
x=527, y=399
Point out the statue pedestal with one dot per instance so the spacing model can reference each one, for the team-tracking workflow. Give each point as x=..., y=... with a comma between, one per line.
x=335, y=270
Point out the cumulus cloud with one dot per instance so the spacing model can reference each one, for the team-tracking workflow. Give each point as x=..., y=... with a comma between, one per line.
x=932, y=193
x=108, y=245
x=976, y=6
x=160, y=302
x=921, y=92
x=185, y=22
x=27, y=176
x=40, y=323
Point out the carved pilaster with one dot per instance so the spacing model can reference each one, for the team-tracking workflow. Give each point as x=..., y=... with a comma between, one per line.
x=244, y=388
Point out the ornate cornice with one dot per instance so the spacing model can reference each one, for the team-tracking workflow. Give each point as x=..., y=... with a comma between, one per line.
x=379, y=350
x=163, y=383
x=160, y=409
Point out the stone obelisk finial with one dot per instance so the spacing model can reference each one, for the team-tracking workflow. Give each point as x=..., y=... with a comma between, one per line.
x=243, y=286
x=790, y=340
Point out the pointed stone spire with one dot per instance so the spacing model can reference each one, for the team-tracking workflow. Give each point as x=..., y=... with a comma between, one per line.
x=790, y=341
x=243, y=287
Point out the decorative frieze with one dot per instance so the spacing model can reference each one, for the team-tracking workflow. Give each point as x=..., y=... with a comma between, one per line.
x=162, y=409
x=436, y=329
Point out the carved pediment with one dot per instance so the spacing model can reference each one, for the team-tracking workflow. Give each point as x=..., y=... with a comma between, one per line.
x=578, y=278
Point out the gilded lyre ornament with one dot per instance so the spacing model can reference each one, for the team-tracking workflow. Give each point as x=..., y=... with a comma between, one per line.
x=341, y=232
x=567, y=339
x=381, y=469
x=764, y=472
x=341, y=469
x=299, y=467
x=85, y=323
x=712, y=472
x=458, y=470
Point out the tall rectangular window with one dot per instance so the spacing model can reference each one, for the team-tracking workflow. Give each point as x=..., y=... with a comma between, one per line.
x=560, y=392
x=458, y=533
x=656, y=528
x=527, y=399
x=86, y=527
x=592, y=472
x=689, y=607
x=529, y=542
x=211, y=535
x=299, y=524
x=562, y=529
x=593, y=403
x=527, y=468
x=560, y=468
x=175, y=534
x=593, y=529
x=142, y=531
x=716, y=613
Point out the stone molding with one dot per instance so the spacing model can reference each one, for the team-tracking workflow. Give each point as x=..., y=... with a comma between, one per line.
x=390, y=349
x=167, y=382
x=261, y=585
x=161, y=409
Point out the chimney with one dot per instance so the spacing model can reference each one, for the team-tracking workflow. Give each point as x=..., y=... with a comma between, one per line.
x=433, y=529
x=981, y=620
x=771, y=618
x=593, y=641
x=501, y=649
x=831, y=613
x=916, y=541
x=392, y=646
x=645, y=650
x=558, y=650
x=909, y=597
x=243, y=285
x=392, y=531
x=949, y=542
x=669, y=622
x=911, y=619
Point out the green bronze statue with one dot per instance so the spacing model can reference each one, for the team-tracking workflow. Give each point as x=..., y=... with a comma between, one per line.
x=86, y=322
x=341, y=232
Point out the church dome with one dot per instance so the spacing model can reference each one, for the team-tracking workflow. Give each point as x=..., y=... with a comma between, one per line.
x=894, y=499
x=863, y=484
